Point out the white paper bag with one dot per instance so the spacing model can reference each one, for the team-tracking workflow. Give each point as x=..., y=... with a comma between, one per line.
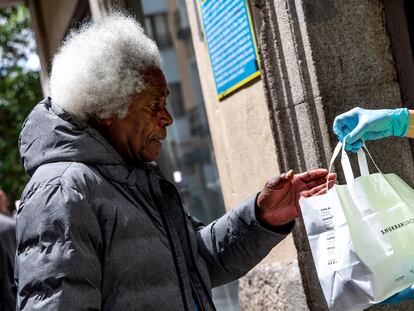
x=361, y=236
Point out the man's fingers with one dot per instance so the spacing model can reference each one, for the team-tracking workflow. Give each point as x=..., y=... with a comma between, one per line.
x=321, y=189
x=319, y=181
x=275, y=190
x=332, y=176
x=314, y=183
x=279, y=182
x=313, y=174
x=313, y=191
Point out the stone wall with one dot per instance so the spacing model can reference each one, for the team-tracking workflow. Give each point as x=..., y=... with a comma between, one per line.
x=321, y=58
x=274, y=287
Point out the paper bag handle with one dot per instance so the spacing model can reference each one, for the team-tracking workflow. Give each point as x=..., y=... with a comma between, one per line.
x=346, y=164
x=333, y=158
x=362, y=161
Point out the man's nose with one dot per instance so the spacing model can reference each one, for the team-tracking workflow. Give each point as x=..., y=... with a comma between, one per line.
x=165, y=118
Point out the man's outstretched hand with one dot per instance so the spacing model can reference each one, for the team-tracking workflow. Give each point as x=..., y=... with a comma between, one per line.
x=278, y=202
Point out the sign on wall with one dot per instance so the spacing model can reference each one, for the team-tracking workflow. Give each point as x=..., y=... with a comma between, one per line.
x=231, y=43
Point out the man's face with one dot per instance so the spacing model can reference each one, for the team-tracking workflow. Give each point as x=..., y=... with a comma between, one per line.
x=138, y=136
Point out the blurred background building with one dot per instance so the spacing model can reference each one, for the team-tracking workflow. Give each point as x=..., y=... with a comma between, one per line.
x=318, y=58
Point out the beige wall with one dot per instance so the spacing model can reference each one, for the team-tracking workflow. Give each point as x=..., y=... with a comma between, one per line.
x=241, y=135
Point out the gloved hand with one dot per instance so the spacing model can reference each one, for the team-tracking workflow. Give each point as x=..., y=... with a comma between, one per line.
x=362, y=124
x=278, y=202
x=406, y=294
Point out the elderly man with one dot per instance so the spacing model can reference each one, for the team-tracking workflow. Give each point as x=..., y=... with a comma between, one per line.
x=98, y=227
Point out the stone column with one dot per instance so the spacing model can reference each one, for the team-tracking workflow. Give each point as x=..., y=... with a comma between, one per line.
x=100, y=8
x=43, y=48
x=50, y=22
x=321, y=58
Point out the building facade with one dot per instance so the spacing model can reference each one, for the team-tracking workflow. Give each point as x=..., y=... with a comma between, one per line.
x=318, y=59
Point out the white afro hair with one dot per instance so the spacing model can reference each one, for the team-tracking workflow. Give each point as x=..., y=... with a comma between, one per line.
x=97, y=68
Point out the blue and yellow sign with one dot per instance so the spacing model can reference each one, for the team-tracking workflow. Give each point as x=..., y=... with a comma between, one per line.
x=231, y=43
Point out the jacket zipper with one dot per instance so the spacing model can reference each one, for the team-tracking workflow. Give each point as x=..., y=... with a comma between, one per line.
x=191, y=252
x=199, y=304
x=180, y=281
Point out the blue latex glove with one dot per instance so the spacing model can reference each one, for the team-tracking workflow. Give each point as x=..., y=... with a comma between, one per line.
x=362, y=124
x=406, y=294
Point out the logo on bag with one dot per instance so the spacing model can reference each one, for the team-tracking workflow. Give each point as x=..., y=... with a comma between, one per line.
x=397, y=226
x=327, y=218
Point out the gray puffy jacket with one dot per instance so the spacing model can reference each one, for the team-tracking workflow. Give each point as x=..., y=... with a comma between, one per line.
x=95, y=234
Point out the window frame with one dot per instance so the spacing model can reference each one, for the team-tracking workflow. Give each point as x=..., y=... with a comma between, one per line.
x=166, y=42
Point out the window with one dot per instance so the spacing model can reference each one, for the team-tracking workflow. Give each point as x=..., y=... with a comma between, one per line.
x=157, y=28
x=175, y=100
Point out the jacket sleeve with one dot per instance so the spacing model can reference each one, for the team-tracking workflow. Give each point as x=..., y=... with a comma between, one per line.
x=58, y=244
x=236, y=242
